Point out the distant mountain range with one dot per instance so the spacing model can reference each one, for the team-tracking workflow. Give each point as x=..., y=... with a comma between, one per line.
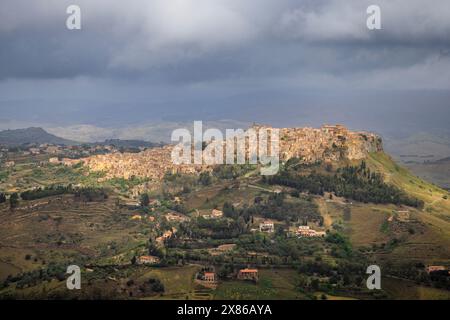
x=35, y=135
x=118, y=143
x=31, y=135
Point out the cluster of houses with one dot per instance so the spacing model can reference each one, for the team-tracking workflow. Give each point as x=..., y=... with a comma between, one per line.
x=301, y=232
x=266, y=227
x=147, y=260
x=43, y=149
x=208, y=278
x=166, y=235
x=175, y=217
x=307, y=232
x=9, y=164
x=215, y=214
x=70, y=151
x=65, y=161
x=151, y=163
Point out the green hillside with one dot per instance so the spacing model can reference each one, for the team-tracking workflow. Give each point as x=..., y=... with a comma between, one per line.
x=433, y=196
x=31, y=136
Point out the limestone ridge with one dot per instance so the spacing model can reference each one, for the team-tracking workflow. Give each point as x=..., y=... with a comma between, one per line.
x=328, y=144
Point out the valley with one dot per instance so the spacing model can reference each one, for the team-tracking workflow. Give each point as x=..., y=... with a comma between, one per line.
x=163, y=236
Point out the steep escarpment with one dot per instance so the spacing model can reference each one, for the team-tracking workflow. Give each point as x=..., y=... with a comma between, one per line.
x=332, y=143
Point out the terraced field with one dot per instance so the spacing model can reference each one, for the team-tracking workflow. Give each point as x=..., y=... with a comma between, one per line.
x=102, y=235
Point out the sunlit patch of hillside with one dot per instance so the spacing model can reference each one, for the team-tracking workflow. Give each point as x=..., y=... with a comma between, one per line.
x=436, y=212
x=432, y=195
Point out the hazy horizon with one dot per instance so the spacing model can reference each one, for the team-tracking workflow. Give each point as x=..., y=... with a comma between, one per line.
x=283, y=63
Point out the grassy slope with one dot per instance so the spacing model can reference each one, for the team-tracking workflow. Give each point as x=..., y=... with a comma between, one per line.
x=435, y=215
x=405, y=180
x=408, y=290
x=273, y=284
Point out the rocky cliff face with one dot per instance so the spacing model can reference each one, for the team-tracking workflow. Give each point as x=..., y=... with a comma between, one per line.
x=328, y=143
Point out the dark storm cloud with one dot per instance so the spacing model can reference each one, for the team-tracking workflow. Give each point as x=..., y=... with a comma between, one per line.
x=215, y=57
x=198, y=40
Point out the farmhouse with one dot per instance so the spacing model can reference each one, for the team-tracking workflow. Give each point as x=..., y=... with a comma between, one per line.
x=53, y=160
x=266, y=227
x=34, y=150
x=52, y=149
x=248, y=274
x=173, y=216
x=9, y=164
x=306, y=232
x=431, y=269
x=209, y=277
x=166, y=235
x=147, y=260
x=216, y=213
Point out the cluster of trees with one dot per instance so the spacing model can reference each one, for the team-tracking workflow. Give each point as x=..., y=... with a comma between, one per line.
x=152, y=286
x=416, y=271
x=231, y=171
x=88, y=194
x=125, y=184
x=155, y=250
x=178, y=184
x=342, y=247
x=352, y=182
x=32, y=278
x=275, y=207
x=45, y=192
x=144, y=200
x=205, y=178
x=347, y=274
x=4, y=175
x=13, y=199
x=201, y=228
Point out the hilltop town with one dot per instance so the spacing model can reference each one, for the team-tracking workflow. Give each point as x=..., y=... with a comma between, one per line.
x=328, y=143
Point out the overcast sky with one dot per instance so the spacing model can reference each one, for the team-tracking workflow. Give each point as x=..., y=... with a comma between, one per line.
x=282, y=61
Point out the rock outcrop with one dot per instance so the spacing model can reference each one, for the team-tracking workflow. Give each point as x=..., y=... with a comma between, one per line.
x=331, y=143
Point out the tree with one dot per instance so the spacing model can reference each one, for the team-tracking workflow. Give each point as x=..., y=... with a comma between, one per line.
x=145, y=200
x=315, y=284
x=154, y=250
x=205, y=178
x=13, y=200
x=225, y=271
x=229, y=210
x=152, y=286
